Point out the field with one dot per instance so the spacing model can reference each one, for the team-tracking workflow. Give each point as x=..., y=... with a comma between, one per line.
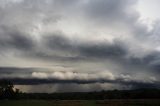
x=80, y=103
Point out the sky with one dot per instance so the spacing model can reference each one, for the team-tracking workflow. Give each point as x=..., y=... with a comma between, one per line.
x=80, y=45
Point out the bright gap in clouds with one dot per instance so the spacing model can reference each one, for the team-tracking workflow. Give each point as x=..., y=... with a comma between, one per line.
x=149, y=11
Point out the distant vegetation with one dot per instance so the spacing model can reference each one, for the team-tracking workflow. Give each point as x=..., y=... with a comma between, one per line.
x=7, y=91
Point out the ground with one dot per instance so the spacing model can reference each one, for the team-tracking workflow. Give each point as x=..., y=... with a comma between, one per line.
x=80, y=102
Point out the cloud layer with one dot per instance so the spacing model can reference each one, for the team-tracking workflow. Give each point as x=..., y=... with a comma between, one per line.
x=77, y=41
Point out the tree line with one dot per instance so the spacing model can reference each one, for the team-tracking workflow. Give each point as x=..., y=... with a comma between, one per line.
x=7, y=91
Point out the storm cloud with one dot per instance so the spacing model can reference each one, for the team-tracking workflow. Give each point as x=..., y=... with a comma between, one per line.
x=84, y=43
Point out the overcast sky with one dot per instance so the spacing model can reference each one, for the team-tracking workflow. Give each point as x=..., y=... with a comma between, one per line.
x=80, y=45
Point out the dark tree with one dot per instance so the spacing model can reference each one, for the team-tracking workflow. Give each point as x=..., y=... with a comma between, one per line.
x=6, y=89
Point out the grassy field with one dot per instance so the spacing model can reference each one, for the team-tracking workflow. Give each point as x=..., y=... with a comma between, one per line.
x=80, y=103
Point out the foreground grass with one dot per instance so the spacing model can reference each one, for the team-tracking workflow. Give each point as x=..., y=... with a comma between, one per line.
x=80, y=103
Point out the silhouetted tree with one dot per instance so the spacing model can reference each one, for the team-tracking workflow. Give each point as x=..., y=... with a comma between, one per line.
x=6, y=89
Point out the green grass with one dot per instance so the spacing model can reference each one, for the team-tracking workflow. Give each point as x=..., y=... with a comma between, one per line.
x=80, y=103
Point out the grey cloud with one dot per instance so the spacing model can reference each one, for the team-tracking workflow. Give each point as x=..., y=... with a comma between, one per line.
x=112, y=12
x=129, y=84
x=16, y=41
x=106, y=9
x=40, y=31
x=116, y=14
x=58, y=77
x=97, y=50
x=13, y=72
x=103, y=50
x=22, y=42
x=116, y=51
x=58, y=41
x=149, y=62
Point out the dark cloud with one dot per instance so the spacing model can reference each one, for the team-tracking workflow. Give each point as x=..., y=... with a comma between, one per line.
x=15, y=40
x=149, y=62
x=38, y=78
x=13, y=72
x=59, y=41
x=84, y=81
x=115, y=51
x=108, y=10
x=96, y=50
x=133, y=84
x=88, y=36
x=103, y=50
x=13, y=69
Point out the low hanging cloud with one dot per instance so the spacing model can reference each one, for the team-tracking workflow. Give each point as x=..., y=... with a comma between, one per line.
x=27, y=76
x=103, y=77
x=74, y=76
